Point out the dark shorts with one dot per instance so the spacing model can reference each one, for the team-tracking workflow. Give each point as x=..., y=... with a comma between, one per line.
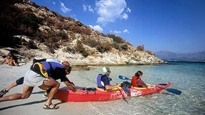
x=20, y=81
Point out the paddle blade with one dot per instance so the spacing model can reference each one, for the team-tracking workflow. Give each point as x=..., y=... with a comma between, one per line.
x=174, y=91
x=123, y=77
x=126, y=90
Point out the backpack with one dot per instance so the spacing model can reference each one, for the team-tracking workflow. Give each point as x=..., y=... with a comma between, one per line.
x=126, y=84
x=38, y=60
x=99, y=81
x=38, y=68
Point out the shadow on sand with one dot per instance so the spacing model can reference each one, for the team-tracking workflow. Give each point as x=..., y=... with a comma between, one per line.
x=24, y=104
x=29, y=103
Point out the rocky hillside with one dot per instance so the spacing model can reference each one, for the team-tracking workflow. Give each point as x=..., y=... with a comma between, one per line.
x=35, y=31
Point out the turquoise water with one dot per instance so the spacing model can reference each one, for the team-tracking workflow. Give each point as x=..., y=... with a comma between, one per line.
x=187, y=77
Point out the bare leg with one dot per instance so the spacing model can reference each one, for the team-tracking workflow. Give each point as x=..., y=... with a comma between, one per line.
x=27, y=90
x=5, y=90
x=10, y=62
x=14, y=63
x=14, y=84
x=54, y=85
x=7, y=61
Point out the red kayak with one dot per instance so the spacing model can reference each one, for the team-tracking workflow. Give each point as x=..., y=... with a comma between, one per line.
x=96, y=94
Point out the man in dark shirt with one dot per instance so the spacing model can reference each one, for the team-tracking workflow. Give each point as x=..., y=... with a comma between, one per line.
x=44, y=75
x=20, y=80
x=106, y=80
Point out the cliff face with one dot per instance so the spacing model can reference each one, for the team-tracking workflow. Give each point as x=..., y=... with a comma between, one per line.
x=40, y=32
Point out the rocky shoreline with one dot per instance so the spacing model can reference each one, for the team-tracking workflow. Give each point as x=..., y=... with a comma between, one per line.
x=78, y=61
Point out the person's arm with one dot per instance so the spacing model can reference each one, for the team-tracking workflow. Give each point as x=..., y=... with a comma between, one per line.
x=14, y=62
x=141, y=83
x=71, y=82
x=109, y=87
x=70, y=86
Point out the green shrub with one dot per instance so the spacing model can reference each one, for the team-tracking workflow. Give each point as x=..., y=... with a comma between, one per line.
x=140, y=48
x=85, y=53
x=116, y=38
x=80, y=29
x=124, y=47
x=90, y=42
x=29, y=20
x=68, y=49
x=150, y=52
x=79, y=48
x=31, y=45
x=116, y=46
x=105, y=47
x=62, y=35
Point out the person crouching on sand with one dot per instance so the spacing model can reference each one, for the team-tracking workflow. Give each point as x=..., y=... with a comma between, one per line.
x=21, y=79
x=43, y=74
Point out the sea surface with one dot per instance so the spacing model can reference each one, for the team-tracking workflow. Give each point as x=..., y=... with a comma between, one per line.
x=187, y=77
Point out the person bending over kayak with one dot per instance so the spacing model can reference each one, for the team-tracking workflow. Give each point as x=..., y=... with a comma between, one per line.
x=136, y=80
x=20, y=80
x=45, y=75
x=103, y=80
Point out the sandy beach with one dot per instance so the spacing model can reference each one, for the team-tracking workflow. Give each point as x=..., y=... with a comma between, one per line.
x=163, y=103
x=34, y=104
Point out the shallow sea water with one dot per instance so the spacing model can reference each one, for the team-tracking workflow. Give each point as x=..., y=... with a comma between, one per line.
x=186, y=77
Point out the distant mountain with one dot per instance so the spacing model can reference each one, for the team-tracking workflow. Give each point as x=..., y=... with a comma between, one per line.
x=173, y=56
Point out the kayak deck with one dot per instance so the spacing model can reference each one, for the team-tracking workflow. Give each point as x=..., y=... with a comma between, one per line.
x=96, y=94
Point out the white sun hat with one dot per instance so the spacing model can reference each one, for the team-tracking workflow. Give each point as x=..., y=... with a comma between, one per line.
x=106, y=69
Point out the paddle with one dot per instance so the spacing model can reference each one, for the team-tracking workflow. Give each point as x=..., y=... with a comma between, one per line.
x=123, y=77
x=125, y=89
x=122, y=93
x=174, y=91
x=171, y=90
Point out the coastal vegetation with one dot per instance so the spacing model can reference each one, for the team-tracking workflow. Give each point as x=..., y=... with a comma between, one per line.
x=27, y=26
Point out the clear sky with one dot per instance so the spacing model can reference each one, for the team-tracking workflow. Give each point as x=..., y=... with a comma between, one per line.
x=173, y=25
